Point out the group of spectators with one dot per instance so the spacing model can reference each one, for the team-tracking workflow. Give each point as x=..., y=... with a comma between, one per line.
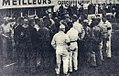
x=31, y=38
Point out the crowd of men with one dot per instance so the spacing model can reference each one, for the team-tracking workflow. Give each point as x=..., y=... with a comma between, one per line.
x=69, y=33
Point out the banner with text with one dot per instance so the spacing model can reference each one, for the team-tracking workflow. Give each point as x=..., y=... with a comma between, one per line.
x=25, y=3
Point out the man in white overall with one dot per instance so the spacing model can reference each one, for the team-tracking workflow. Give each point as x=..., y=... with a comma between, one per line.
x=107, y=33
x=60, y=42
x=74, y=34
x=73, y=54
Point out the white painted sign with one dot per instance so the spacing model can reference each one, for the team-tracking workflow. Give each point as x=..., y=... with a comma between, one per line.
x=24, y=3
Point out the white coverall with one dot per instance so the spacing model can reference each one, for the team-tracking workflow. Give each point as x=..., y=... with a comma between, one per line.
x=107, y=30
x=73, y=54
x=59, y=42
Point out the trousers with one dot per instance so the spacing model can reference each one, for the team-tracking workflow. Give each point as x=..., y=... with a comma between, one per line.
x=73, y=60
x=61, y=57
x=105, y=48
x=108, y=48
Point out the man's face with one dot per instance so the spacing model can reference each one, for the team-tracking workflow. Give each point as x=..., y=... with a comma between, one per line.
x=6, y=22
x=85, y=24
x=104, y=20
x=21, y=22
x=26, y=21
